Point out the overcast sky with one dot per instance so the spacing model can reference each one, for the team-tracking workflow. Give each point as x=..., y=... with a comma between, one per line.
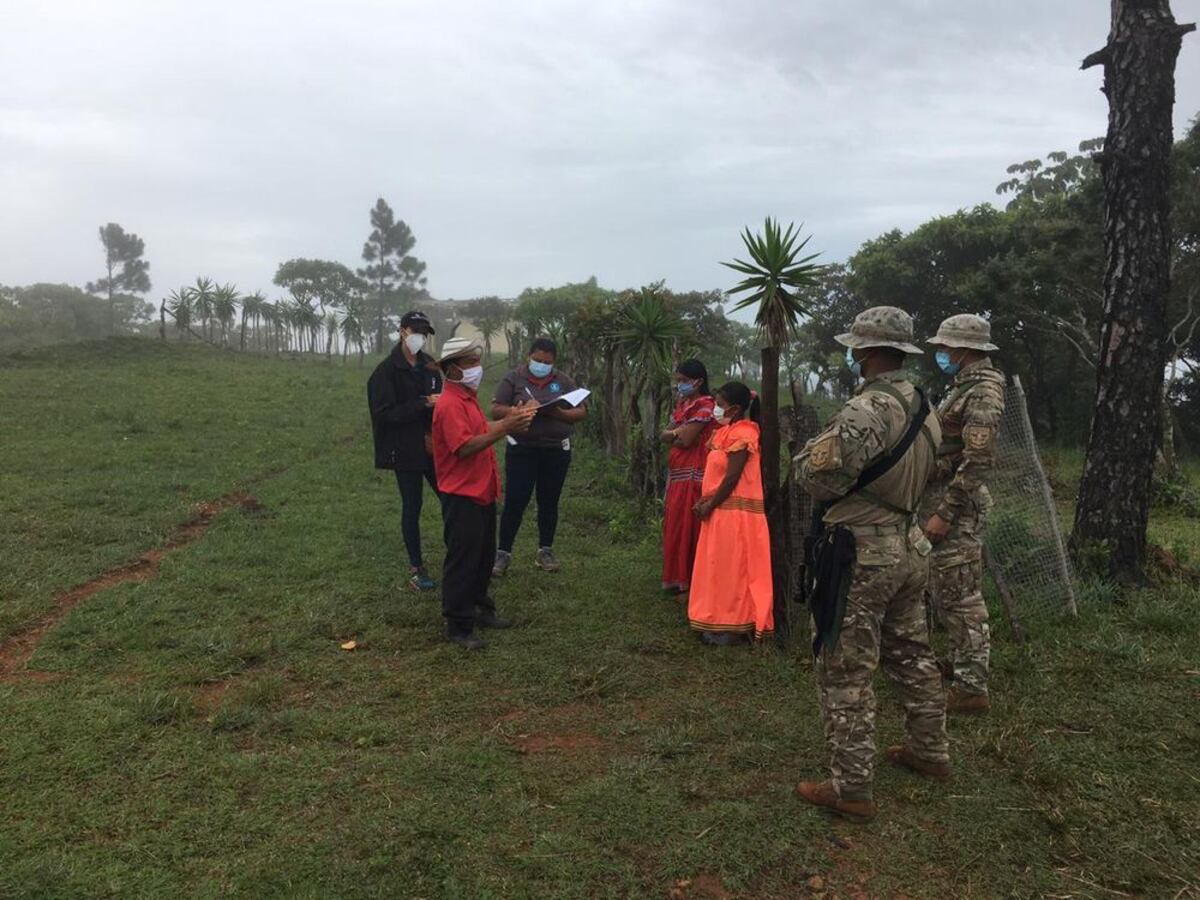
x=526, y=143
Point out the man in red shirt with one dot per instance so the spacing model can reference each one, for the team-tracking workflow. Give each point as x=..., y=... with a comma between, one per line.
x=469, y=480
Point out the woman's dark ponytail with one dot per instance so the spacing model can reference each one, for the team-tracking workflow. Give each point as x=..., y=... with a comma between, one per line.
x=740, y=395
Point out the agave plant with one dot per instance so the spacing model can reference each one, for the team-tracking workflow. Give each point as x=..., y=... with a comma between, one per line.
x=776, y=276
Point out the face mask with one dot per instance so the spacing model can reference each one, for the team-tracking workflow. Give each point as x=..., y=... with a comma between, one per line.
x=472, y=377
x=719, y=413
x=414, y=343
x=944, y=363
x=853, y=364
x=685, y=388
x=539, y=369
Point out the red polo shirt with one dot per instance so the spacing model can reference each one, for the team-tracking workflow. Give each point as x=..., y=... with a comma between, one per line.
x=456, y=419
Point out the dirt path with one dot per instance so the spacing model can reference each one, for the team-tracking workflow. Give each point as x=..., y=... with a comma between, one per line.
x=17, y=649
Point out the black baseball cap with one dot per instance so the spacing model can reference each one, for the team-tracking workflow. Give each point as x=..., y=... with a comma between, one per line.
x=417, y=321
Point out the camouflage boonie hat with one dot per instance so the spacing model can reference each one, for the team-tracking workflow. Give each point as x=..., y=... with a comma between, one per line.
x=881, y=326
x=966, y=330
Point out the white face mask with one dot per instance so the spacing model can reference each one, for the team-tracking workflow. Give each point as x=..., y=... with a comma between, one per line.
x=414, y=343
x=472, y=377
x=719, y=413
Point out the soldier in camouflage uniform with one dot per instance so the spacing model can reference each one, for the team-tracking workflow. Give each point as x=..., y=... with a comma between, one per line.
x=885, y=610
x=956, y=502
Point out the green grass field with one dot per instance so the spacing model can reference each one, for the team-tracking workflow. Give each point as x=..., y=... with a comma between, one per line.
x=202, y=733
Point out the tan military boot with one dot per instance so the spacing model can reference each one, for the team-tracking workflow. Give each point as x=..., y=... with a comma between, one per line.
x=900, y=755
x=822, y=793
x=963, y=702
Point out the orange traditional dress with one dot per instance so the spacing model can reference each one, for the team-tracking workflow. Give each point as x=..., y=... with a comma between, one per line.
x=685, y=472
x=731, y=582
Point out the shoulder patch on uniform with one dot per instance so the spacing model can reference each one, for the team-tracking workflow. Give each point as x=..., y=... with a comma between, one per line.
x=978, y=437
x=826, y=454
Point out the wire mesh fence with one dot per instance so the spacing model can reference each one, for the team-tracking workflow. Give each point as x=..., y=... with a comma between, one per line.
x=1024, y=550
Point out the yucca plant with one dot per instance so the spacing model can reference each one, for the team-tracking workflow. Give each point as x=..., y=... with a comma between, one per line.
x=252, y=305
x=179, y=303
x=776, y=276
x=352, y=328
x=646, y=333
x=225, y=306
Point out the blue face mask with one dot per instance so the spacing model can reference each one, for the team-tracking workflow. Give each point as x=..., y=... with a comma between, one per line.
x=539, y=369
x=685, y=388
x=853, y=364
x=943, y=362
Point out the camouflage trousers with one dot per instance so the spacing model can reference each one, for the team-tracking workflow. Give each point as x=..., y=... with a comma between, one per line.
x=956, y=597
x=885, y=623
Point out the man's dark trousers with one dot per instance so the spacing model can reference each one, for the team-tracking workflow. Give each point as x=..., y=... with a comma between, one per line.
x=470, y=533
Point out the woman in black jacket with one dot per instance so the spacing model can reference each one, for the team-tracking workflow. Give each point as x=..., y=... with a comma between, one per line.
x=402, y=392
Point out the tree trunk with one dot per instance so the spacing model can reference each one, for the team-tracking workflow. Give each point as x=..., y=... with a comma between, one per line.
x=610, y=407
x=769, y=401
x=1170, y=460
x=1139, y=81
x=162, y=320
x=622, y=423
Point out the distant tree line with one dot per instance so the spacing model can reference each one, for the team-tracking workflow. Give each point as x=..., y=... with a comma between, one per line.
x=1034, y=267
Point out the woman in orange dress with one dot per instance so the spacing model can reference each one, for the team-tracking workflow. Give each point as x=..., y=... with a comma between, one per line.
x=691, y=424
x=732, y=594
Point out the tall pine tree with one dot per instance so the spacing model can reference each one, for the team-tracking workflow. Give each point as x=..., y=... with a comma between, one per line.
x=125, y=270
x=394, y=275
x=1139, y=81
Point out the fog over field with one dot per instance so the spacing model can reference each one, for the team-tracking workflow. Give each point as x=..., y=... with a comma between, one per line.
x=524, y=142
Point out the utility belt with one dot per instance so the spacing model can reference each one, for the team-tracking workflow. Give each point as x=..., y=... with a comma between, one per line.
x=879, y=530
x=830, y=552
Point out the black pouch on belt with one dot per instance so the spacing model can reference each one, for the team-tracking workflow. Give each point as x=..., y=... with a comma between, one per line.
x=832, y=567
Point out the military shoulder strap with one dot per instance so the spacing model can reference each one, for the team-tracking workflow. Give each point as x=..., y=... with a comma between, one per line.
x=917, y=414
x=961, y=390
x=886, y=387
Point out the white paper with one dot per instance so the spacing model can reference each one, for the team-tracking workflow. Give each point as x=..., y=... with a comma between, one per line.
x=572, y=398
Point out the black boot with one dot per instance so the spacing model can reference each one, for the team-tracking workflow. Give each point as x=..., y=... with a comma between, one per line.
x=489, y=619
x=466, y=641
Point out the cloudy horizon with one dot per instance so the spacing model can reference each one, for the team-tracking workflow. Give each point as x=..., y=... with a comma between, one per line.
x=528, y=144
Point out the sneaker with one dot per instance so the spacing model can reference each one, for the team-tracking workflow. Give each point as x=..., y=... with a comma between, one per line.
x=546, y=561
x=420, y=581
x=503, y=559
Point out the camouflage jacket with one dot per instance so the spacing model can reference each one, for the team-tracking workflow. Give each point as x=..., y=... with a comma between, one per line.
x=870, y=423
x=970, y=416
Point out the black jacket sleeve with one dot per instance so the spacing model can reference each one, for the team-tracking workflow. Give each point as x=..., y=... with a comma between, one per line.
x=387, y=407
